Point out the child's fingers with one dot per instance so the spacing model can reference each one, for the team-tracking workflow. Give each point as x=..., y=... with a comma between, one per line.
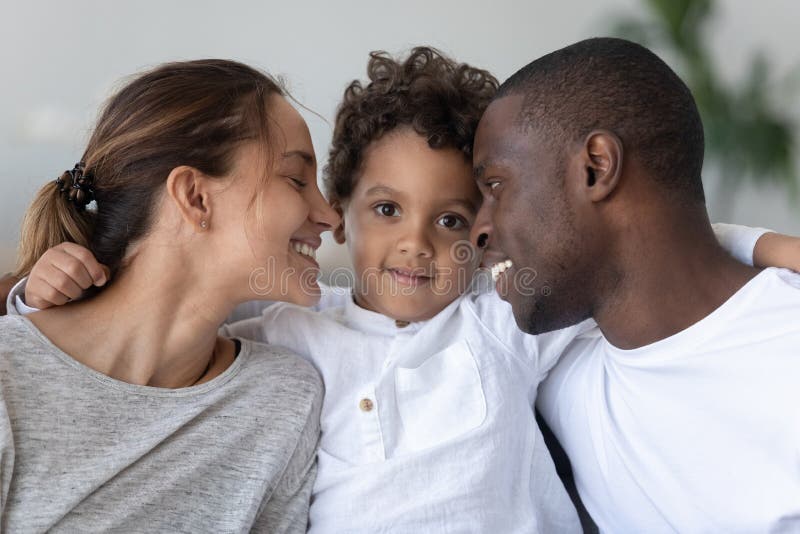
x=70, y=266
x=63, y=282
x=39, y=294
x=96, y=270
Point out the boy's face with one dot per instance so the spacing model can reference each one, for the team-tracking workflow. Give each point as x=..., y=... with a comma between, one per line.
x=407, y=227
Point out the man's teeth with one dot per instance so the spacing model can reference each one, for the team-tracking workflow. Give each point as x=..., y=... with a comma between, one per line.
x=500, y=268
x=305, y=250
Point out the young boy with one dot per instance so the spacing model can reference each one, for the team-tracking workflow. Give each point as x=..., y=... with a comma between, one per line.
x=428, y=421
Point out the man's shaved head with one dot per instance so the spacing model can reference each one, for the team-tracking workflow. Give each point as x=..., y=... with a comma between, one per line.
x=622, y=87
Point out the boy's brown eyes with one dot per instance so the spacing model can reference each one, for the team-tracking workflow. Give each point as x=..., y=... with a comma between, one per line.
x=453, y=222
x=386, y=209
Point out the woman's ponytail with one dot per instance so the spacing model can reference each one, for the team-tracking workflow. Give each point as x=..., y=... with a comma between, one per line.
x=57, y=214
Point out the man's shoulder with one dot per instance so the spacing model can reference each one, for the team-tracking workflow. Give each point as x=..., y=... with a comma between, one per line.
x=773, y=293
x=786, y=276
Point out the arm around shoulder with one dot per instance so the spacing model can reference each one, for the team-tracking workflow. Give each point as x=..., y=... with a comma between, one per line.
x=777, y=250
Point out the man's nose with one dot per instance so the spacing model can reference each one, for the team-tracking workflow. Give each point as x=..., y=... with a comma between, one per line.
x=481, y=229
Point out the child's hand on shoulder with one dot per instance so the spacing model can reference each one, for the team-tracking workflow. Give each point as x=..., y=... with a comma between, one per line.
x=62, y=274
x=777, y=250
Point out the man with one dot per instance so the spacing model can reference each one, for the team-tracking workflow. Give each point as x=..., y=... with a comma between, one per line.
x=682, y=411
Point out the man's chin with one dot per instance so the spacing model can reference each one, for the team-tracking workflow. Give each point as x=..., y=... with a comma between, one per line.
x=535, y=318
x=520, y=306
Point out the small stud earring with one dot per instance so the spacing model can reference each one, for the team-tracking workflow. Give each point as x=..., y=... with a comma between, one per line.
x=204, y=224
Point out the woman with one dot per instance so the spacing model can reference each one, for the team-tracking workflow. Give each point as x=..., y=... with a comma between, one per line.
x=125, y=411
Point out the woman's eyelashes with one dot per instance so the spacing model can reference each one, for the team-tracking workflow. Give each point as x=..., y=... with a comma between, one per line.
x=297, y=182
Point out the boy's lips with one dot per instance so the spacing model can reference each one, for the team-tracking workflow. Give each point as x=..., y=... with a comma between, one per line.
x=409, y=277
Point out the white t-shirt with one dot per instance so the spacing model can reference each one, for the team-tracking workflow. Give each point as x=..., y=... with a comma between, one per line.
x=699, y=432
x=428, y=427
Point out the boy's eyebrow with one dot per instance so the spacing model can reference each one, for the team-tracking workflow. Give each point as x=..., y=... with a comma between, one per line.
x=463, y=203
x=306, y=157
x=380, y=190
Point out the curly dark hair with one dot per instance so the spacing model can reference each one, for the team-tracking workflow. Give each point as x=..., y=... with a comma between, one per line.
x=440, y=99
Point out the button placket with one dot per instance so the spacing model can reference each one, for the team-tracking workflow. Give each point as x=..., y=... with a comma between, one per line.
x=397, y=343
x=367, y=410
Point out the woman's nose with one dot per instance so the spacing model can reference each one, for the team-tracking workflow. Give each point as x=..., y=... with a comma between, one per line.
x=322, y=214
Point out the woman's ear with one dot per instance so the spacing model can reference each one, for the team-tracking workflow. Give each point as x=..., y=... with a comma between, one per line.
x=338, y=232
x=188, y=188
x=602, y=162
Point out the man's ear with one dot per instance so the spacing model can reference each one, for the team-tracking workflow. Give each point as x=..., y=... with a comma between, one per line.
x=338, y=232
x=602, y=164
x=188, y=189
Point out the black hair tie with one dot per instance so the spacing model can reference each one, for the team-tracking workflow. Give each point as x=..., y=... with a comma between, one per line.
x=79, y=190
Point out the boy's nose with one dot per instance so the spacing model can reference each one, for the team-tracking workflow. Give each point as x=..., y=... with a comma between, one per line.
x=416, y=243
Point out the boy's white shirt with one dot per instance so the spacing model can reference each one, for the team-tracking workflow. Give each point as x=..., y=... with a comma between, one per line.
x=428, y=427
x=15, y=305
x=449, y=443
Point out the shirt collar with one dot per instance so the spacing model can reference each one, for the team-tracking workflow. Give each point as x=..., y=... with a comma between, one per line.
x=372, y=322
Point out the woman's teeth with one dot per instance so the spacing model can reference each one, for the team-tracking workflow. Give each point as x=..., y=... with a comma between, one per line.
x=305, y=250
x=500, y=268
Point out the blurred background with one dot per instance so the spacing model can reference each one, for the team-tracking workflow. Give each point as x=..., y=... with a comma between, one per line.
x=61, y=59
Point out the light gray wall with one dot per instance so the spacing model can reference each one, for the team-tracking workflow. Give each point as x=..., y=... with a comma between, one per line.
x=60, y=59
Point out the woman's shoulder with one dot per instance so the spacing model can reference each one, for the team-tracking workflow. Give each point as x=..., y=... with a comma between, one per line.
x=272, y=390
x=17, y=335
x=276, y=367
x=13, y=325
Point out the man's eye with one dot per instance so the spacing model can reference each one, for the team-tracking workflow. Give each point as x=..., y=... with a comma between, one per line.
x=453, y=222
x=385, y=209
x=494, y=186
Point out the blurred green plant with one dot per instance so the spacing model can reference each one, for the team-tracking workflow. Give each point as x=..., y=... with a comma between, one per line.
x=747, y=136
